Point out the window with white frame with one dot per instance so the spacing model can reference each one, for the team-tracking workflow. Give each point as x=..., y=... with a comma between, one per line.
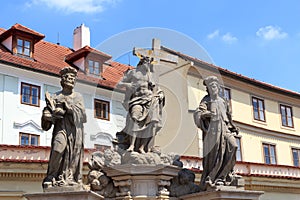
x=286, y=116
x=30, y=94
x=296, y=157
x=258, y=109
x=94, y=67
x=28, y=139
x=238, y=151
x=269, y=153
x=101, y=109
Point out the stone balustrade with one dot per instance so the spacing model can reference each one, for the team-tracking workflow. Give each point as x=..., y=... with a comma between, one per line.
x=248, y=168
x=17, y=153
x=31, y=153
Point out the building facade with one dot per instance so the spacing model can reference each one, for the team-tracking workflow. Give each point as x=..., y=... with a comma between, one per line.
x=268, y=116
x=29, y=66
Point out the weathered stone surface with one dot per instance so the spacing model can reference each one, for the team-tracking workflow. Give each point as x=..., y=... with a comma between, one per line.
x=213, y=117
x=226, y=193
x=66, y=195
x=143, y=101
x=183, y=184
x=65, y=111
x=141, y=181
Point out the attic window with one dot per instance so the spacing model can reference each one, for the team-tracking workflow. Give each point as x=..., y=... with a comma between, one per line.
x=94, y=67
x=23, y=47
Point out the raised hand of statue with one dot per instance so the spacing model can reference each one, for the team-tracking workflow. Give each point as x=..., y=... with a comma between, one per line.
x=58, y=112
x=206, y=114
x=47, y=114
x=66, y=106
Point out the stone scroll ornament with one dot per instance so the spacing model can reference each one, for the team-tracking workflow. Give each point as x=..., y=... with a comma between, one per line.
x=66, y=113
x=213, y=117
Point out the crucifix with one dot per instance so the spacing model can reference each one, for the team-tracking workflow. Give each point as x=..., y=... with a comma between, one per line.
x=145, y=100
x=157, y=55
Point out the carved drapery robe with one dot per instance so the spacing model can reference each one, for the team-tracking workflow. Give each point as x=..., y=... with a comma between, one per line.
x=66, y=158
x=219, y=145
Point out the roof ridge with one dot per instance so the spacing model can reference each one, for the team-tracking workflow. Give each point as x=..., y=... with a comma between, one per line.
x=262, y=83
x=26, y=29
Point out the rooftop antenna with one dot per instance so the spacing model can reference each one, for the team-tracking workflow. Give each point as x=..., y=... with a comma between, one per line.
x=58, y=39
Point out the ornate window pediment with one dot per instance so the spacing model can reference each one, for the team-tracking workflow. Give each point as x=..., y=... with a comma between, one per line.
x=28, y=126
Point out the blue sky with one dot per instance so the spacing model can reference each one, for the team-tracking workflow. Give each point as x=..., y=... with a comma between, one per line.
x=259, y=39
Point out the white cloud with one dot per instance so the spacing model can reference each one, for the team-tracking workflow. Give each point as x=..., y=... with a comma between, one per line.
x=271, y=33
x=213, y=34
x=228, y=38
x=71, y=6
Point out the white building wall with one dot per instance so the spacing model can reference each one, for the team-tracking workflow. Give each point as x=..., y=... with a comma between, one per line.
x=1, y=106
x=98, y=131
x=10, y=111
x=8, y=43
x=80, y=63
x=16, y=117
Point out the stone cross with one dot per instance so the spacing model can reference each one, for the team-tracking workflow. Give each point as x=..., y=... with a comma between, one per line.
x=157, y=54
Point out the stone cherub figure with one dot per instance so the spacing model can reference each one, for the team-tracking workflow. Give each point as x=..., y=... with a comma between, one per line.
x=65, y=110
x=144, y=102
x=213, y=117
x=102, y=184
x=183, y=184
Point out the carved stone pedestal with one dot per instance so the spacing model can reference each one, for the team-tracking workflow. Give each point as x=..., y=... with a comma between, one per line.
x=67, y=195
x=224, y=193
x=142, y=181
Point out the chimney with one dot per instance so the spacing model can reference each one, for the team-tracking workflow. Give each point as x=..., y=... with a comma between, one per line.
x=81, y=37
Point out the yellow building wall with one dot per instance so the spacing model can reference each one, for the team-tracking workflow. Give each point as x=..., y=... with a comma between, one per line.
x=241, y=108
x=255, y=135
x=252, y=142
x=242, y=93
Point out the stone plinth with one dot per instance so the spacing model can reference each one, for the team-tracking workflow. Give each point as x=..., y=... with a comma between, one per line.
x=142, y=181
x=224, y=193
x=75, y=195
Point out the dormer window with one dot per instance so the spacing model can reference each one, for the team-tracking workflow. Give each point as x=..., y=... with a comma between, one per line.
x=20, y=40
x=89, y=60
x=94, y=67
x=23, y=47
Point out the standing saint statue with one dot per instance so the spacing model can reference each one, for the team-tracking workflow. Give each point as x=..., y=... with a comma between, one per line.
x=144, y=102
x=65, y=110
x=213, y=117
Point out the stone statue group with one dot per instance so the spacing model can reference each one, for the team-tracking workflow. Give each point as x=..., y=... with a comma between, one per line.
x=143, y=101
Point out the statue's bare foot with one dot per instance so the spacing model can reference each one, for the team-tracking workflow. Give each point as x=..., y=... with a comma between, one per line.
x=142, y=151
x=130, y=149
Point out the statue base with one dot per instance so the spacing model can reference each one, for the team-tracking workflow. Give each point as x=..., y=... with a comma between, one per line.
x=142, y=181
x=67, y=195
x=224, y=193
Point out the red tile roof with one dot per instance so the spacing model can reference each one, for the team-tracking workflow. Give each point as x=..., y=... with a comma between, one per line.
x=27, y=30
x=23, y=29
x=50, y=58
x=2, y=30
x=84, y=51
